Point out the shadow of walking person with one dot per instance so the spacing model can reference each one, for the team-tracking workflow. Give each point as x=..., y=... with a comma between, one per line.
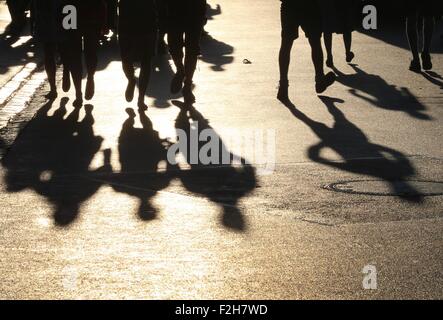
x=52, y=157
x=225, y=179
x=140, y=152
x=212, y=12
x=376, y=91
x=216, y=53
x=358, y=154
x=159, y=85
x=433, y=78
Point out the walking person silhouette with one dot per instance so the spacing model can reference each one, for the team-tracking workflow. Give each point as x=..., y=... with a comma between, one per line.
x=420, y=19
x=186, y=19
x=307, y=15
x=137, y=37
x=92, y=16
x=47, y=31
x=340, y=19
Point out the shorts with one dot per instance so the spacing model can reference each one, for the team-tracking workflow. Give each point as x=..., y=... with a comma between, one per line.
x=306, y=16
x=137, y=48
x=185, y=15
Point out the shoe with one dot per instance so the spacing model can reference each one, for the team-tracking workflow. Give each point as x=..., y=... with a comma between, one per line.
x=415, y=66
x=426, y=61
x=129, y=94
x=188, y=95
x=66, y=83
x=330, y=62
x=350, y=56
x=326, y=81
x=282, y=94
x=90, y=89
x=177, y=82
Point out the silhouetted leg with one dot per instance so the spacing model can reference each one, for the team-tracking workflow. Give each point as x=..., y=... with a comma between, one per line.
x=317, y=56
x=128, y=65
x=429, y=25
x=50, y=67
x=128, y=69
x=412, y=33
x=91, y=43
x=328, y=46
x=347, y=39
x=145, y=74
x=66, y=83
x=192, y=45
x=322, y=81
x=73, y=55
x=190, y=66
x=284, y=60
x=176, y=44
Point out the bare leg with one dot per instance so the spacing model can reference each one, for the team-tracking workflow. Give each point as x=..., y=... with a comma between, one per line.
x=322, y=81
x=347, y=38
x=317, y=56
x=175, y=40
x=328, y=46
x=73, y=56
x=284, y=60
x=145, y=75
x=66, y=84
x=91, y=41
x=50, y=67
x=176, y=44
x=128, y=69
x=192, y=45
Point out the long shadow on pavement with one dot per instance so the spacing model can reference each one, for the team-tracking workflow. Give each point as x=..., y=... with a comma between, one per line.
x=358, y=154
x=223, y=184
x=434, y=78
x=216, y=53
x=52, y=156
x=376, y=91
x=160, y=83
x=140, y=152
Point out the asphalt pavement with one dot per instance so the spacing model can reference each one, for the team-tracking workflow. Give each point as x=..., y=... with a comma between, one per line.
x=91, y=207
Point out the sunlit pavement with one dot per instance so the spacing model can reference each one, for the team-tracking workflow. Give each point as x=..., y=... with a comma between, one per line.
x=91, y=210
x=15, y=52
